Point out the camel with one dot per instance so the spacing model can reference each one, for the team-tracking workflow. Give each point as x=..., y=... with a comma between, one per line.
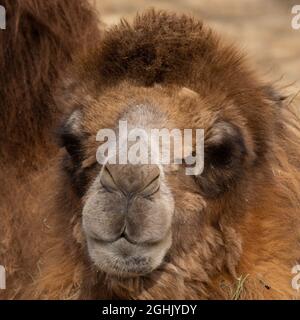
x=79, y=229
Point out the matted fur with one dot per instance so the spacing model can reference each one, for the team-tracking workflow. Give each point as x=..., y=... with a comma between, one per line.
x=252, y=232
x=40, y=40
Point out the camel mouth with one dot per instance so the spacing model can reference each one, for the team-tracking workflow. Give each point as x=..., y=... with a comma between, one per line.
x=122, y=258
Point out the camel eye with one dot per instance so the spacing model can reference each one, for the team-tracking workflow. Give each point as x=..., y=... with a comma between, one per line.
x=70, y=136
x=224, y=156
x=226, y=147
x=220, y=155
x=72, y=144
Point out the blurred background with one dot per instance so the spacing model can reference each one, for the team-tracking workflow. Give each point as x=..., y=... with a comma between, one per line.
x=262, y=28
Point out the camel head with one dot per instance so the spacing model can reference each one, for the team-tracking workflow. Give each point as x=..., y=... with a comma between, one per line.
x=137, y=216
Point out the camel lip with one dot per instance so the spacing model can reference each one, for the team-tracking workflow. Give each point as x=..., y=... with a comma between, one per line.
x=122, y=237
x=115, y=240
x=128, y=259
x=124, y=259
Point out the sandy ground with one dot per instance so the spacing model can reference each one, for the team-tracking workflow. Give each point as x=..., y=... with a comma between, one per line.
x=262, y=28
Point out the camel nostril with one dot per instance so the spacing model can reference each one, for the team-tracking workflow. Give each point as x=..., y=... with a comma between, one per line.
x=107, y=180
x=152, y=187
x=131, y=179
x=123, y=234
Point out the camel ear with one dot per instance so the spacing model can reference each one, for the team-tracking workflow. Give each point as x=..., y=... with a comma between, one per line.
x=273, y=95
x=189, y=93
x=224, y=155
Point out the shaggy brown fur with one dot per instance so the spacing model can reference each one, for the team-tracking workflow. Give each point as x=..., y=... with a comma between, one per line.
x=248, y=227
x=42, y=38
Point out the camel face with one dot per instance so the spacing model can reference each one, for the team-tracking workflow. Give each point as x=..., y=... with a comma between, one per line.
x=135, y=213
x=130, y=230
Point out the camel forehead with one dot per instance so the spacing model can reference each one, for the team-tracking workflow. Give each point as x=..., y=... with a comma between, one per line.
x=144, y=116
x=138, y=111
x=148, y=108
x=138, y=115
